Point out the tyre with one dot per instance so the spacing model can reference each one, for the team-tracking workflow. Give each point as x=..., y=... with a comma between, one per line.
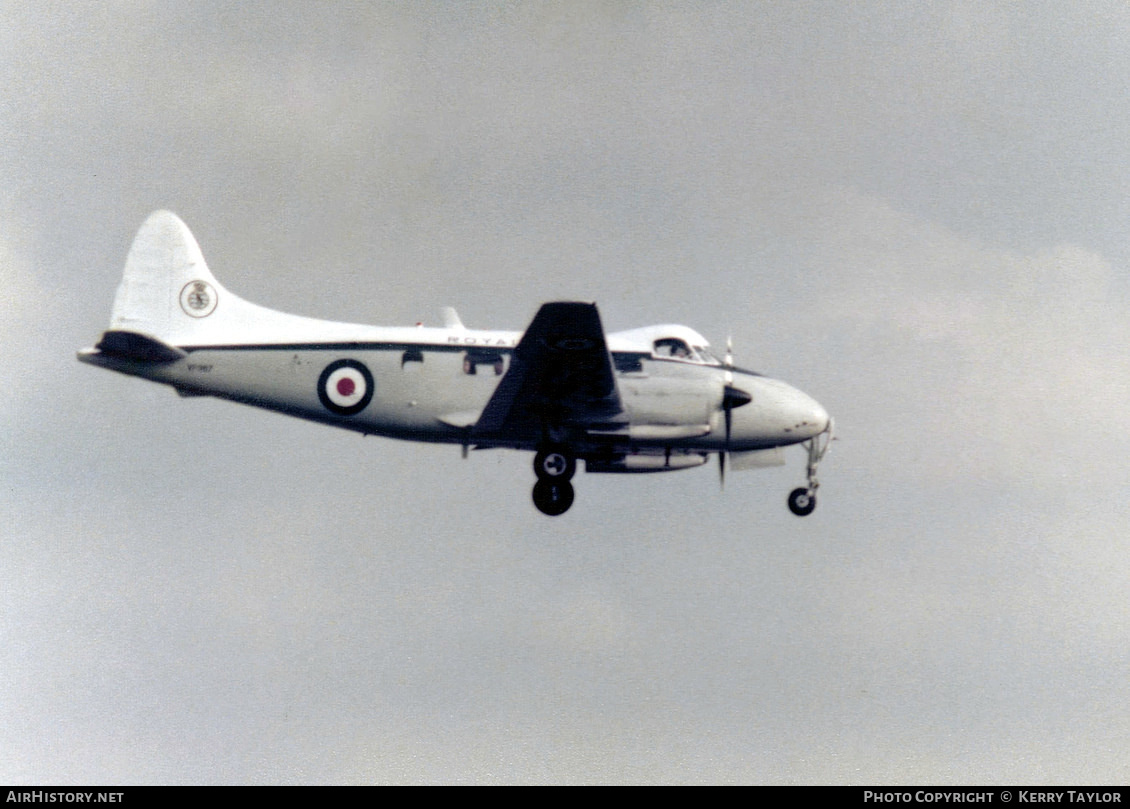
x=802, y=502
x=553, y=498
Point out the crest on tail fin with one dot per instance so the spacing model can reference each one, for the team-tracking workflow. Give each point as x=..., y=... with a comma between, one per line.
x=198, y=298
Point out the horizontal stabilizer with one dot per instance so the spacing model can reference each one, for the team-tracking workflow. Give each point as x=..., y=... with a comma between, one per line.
x=130, y=345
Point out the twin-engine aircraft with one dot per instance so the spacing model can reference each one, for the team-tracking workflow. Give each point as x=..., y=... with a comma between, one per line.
x=648, y=400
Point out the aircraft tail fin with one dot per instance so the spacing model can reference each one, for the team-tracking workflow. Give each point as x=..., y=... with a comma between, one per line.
x=167, y=291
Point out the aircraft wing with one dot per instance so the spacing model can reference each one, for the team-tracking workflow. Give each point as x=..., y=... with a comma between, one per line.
x=560, y=376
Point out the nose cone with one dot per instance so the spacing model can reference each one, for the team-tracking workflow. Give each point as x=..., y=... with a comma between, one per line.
x=780, y=414
x=803, y=414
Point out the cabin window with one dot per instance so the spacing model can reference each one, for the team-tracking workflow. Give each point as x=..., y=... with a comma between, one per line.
x=628, y=363
x=411, y=355
x=472, y=360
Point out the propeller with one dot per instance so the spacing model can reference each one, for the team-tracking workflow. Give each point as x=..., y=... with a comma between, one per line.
x=731, y=398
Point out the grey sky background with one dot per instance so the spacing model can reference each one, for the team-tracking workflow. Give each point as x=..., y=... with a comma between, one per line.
x=915, y=212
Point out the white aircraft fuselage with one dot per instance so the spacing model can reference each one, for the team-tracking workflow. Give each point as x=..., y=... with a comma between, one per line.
x=647, y=400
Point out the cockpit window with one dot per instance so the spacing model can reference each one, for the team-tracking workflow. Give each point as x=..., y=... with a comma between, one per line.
x=672, y=347
x=677, y=349
x=706, y=356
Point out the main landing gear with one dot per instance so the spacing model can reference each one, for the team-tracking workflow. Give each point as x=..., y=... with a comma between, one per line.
x=802, y=501
x=553, y=493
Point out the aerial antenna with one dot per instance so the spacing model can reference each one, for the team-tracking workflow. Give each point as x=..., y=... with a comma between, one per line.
x=451, y=319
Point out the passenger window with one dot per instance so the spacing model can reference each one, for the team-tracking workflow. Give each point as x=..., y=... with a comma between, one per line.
x=628, y=363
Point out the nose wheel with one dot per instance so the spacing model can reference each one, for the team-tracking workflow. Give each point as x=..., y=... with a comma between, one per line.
x=802, y=501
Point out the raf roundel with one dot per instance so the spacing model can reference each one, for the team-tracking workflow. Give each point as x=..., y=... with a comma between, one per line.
x=345, y=387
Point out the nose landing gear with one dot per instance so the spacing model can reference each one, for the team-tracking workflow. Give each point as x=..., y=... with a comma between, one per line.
x=802, y=501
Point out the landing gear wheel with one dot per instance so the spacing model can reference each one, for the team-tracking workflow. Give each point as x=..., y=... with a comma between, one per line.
x=802, y=502
x=553, y=498
x=554, y=464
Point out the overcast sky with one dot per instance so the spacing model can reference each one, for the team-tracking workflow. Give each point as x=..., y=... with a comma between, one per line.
x=915, y=212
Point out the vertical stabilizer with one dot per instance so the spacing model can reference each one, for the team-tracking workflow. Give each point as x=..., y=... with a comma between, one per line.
x=167, y=291
x=168, y=294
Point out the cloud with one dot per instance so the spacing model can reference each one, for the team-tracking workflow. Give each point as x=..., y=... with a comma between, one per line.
x=27, y=317
x=998, y=363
